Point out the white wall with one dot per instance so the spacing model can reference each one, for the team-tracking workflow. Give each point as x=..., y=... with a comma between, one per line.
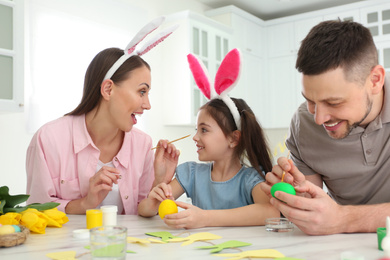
x=14, y=138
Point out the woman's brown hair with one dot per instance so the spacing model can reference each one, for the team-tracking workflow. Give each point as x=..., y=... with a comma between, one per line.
x=96, y=71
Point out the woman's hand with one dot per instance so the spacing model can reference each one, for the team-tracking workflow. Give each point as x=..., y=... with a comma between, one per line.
x=165, y=162
x=191, y=217
x=100, y=185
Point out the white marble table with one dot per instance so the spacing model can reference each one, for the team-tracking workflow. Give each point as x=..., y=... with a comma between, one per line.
x=293, y=244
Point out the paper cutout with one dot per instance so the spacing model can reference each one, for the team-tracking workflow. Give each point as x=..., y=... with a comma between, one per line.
x=153, y=240
x=263, y=253
x=228, y=244
x=288, y=258
x=164, y=235
x=65, y=255
x=110, y=250
x=135, y=240
x=127, y=251
x=195, y=237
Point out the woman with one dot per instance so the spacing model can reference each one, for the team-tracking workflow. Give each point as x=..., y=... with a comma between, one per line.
x=93, y=156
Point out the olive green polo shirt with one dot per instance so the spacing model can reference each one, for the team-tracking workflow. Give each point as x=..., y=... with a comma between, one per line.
x=356, y=169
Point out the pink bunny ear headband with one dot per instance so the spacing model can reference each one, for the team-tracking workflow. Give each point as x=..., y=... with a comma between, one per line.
x=225, y=80
x=130, y=49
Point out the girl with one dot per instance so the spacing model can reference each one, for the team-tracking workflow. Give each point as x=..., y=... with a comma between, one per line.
x=224, y=191
x=92, y=156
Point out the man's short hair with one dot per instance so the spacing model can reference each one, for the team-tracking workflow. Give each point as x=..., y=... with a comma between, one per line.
x=333, y=44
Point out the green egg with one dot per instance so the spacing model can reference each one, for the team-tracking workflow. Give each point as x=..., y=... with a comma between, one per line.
x=283, y=186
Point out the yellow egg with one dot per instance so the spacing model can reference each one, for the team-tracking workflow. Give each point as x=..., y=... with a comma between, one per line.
x=6, y=229
x=167, y=207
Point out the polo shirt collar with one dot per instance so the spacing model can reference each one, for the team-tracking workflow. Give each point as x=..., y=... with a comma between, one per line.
x=384, y=115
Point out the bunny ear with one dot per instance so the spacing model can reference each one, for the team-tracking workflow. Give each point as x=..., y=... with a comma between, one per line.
x=228, y=72
x=157, y=39
x=150, y=27
x=199, y=71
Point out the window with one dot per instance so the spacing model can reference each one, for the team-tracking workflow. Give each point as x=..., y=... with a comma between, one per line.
x=11, y=56
x=63, y=38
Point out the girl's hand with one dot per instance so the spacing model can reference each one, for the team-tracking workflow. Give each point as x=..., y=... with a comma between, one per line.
x=165, y=161
x=191, y=217
x=161, y=192
x=100, y=185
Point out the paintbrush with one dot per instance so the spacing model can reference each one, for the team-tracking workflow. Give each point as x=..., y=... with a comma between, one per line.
x=173, y=141
x=288, y=154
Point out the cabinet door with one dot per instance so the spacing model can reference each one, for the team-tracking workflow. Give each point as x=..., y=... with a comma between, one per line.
x=302, y=28
x=384, y=54
x=11, y=56
x=377, y=19
x=282, y=92
x=251, y=84
x=280, y=39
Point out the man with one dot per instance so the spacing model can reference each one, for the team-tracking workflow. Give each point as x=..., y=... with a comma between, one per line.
x=340, y=136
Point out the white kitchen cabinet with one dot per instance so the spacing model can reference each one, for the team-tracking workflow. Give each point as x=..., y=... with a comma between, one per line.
x=251, y=85
x=210, y=42
x=280, y=39
x=384, y=54
x=11, y=56
x=248, y=30
x=377, y=19
x=282, y=91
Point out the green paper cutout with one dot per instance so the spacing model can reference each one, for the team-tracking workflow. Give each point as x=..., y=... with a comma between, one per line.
x=109, y=251
x=228, y=244
x=164, y=235
x=127, y=251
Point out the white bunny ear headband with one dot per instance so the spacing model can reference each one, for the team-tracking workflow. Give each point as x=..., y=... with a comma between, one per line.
x=130, y=49
x=225, y=80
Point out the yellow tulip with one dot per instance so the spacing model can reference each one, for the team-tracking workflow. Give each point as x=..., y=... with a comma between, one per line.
x=56, y=218
x=34, y=220
x=10, y=218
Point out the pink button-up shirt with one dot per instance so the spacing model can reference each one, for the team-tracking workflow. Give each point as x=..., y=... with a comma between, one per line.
x=62, y=157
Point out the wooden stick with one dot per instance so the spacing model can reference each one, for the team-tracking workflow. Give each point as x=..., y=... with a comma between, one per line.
x=173, y=141
x=288, y=154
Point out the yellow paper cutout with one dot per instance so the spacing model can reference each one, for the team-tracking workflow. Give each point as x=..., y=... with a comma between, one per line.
x=263, y=253
x=195, y=237
x=65, y=255
x=137, y=240
x=153, y=240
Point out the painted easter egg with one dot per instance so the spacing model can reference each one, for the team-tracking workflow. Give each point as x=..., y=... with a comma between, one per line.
x=167, y=207
x=283, y=186
x=8, y=229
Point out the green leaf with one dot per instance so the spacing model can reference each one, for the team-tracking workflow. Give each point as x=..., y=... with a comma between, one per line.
x=16, y=209
x=11, y=200
x=44, y=206
x=37, y=206
x=2, y=204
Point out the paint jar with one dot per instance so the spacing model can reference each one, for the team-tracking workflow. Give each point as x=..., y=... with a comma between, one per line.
x=94, y=218
x=381, y=233
x=109, y=215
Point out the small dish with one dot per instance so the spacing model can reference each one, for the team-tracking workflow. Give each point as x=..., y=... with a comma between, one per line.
x=278, y=225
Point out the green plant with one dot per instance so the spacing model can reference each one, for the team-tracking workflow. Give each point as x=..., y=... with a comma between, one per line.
x=9, y=203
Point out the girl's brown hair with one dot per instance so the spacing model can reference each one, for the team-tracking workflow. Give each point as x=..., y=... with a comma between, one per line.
x=253, y=144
